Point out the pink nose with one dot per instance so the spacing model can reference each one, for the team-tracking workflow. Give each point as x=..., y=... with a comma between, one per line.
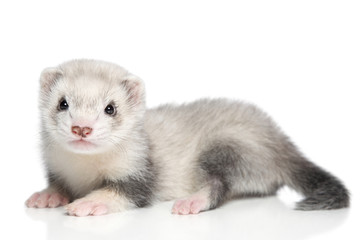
x=82, y=132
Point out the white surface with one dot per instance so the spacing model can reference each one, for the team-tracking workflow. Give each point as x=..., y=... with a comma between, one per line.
x=298, y=60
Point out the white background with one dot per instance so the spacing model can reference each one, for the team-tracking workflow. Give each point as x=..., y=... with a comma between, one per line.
x=298, y=60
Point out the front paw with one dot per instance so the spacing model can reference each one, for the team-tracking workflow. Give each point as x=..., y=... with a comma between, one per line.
x=46, y=200
x=83, y=207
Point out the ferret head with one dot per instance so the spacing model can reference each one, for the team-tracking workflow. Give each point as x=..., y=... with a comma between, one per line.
x=89, y=106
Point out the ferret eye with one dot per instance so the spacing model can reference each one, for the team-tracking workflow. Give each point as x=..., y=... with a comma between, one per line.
x=110, y=110
x=63, y=105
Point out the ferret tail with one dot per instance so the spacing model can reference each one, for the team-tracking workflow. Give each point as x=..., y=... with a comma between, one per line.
x=322, y=190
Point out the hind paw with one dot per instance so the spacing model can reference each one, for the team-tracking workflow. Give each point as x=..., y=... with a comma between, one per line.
x=192, y=205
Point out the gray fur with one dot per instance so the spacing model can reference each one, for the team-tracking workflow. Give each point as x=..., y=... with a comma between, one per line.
x=322, y=190
x=215, y=149
x=239, y=150
x=139, y=188
x=224, y=166
x=219, y=162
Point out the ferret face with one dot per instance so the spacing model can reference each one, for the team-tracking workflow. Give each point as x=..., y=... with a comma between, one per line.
x=89, y=107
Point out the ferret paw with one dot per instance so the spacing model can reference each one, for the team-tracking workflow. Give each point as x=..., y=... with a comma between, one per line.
x=46, y=200
x=82, y=208
x=192, y=205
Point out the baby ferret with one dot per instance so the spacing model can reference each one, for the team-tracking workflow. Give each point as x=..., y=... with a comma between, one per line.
x=105, y=152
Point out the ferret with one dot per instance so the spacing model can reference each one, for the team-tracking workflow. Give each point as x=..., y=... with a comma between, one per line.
x=104, y=152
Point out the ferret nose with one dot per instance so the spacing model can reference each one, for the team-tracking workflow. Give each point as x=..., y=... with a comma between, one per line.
x=86, y=131
x=76, y=130
x=81, y=132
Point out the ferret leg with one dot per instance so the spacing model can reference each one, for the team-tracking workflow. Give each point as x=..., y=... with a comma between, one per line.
x=115, y=196
x=99, y=202
x=218, y=165
x=206, y=198
x=48, y=198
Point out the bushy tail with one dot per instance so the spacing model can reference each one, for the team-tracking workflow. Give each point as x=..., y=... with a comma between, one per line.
x=321, y=189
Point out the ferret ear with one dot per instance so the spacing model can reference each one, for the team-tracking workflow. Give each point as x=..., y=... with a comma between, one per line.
x=49, y=77
x=135, y=89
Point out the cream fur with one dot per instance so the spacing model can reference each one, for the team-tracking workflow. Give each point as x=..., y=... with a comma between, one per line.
x=164, y=153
